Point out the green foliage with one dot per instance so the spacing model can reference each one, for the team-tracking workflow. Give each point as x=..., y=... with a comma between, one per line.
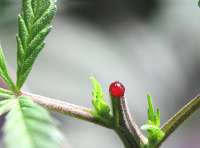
x=4, y=72
x=34, y=25
x=6, y=105
x=102, y=109
x=153, y=117
x=199, y=3
x=6, y=94
x=28, y=125
x=154, y=132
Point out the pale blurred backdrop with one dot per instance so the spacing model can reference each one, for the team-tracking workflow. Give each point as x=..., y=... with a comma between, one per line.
x=152, y=46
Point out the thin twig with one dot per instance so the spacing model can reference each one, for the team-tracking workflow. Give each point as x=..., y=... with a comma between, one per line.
x=133, y=127
x=125, y=126
x=66, y=108
x=173, y=123
x=86, y=114
x=121, y=126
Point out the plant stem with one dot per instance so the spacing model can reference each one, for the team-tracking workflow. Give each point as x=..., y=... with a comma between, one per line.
x=120, y=124
x=173, y=123
x=133, y=127
x=125, y=127
x=67, y=109
x=126, y=138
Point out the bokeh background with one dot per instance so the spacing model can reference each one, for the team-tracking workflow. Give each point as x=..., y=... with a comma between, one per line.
x=152, y=46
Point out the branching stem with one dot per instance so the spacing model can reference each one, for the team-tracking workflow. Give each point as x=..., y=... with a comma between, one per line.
x=133, y=127
x=125, y=126
x=128, y=126
x=184, y=113
x=67, y=108
x=128, y=131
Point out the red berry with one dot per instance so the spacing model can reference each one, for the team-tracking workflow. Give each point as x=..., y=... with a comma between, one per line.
x=117, y=89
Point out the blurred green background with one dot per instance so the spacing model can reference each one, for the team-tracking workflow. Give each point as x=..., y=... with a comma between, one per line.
x=152, y=46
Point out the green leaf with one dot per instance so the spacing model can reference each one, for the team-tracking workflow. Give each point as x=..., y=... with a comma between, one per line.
x=154, y=132
x=153, y=117
x=34, y=25
x=6, y=105
x=4, y=71
x=101, y=108
x=28, y=125
x=6, y=94
x=150, y=109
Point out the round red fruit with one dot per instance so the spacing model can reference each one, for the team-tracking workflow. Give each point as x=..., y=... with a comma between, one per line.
x=117, y=89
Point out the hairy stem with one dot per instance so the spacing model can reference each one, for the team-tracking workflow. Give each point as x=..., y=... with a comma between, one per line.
x=133, y=127
x=173, y=123
x=125, y=127
x=67, y=109
x=120, y=124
